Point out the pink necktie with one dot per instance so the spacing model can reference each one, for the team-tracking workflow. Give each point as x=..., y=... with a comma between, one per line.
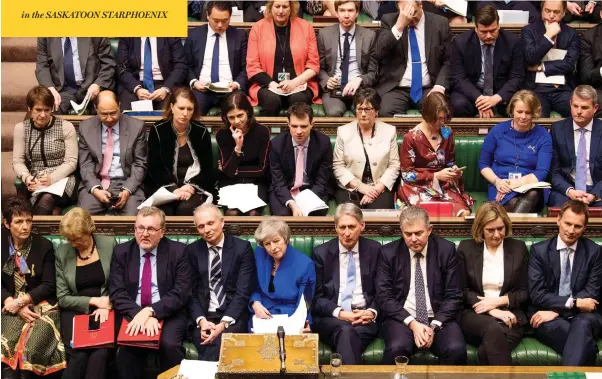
x=107, y=158
x=299, y=169
x=146, y=296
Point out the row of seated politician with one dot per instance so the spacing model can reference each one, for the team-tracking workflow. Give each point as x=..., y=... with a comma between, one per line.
x=418, y=292
x=111, y=167
x=282, y=62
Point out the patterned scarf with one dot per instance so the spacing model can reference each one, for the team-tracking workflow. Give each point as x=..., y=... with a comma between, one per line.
x=16, y=265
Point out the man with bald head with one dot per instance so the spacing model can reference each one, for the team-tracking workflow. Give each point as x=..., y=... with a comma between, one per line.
x=112, y=160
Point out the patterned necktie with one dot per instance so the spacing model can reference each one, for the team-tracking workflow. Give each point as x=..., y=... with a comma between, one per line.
x=299, y=171
x=146, y=294
x=147, y=81
x=350, y=286
x=564, y=288
x=581, y=169
x=107, y=158
x=422, y=315
x=68, y=65
x=215, y=61
x=488, y=74
x=416, y=86
x=215, y=276
x=345, y=61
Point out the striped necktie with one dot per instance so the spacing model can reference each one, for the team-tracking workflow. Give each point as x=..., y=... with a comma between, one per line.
x=215, y=276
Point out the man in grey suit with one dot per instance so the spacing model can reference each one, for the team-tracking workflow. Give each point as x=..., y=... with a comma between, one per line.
x=347, y=58
x=412, y=54
x=112, y=159
x=72, y=66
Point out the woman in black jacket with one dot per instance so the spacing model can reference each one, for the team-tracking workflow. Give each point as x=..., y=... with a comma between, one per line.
x=179, y=156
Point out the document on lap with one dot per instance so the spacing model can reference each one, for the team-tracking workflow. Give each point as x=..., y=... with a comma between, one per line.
x=552, y=55
x=459, y=7
x=160, y=197
x=220, y=87
x=513, y=17
x=297, y=89
x=142, y=106
x=57, y=188
x=309, y=202
x=240, y=196
x=292, y=324
x=80, y=108
x=526, y=187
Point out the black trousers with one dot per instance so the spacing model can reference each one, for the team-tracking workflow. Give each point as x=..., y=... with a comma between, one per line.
x=348, y=340
x=272, y=103
x=210, y=352
x=87, y=363
x=528, y=202
x=464, y=107
x=398, y=101
x=131, y=360
x=279, y=209
x=384, y=201
x=495, y=340
x=554, y=99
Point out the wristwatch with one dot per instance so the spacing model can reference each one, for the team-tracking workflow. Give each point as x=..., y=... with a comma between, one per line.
x=152, y=311
x=226, y=324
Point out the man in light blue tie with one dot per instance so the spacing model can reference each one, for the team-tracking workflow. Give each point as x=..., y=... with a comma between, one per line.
x=345, y=308
x=576, y=140
x=564, y=286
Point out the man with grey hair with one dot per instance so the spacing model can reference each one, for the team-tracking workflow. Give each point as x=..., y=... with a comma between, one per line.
x=576, y=147
x=223, y=276
x=345, y=308
x=149, y=283
x=419, y=291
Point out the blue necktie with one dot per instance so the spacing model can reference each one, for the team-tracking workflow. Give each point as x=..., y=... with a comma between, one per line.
x=564, y=287
x=68, y=65
x=416, y=87
x=215, y=61
x=345, y=61
x=581, y=169
x=350, y=287
x=147, y=81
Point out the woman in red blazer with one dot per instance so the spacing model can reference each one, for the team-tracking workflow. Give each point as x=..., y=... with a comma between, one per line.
x=282, y=55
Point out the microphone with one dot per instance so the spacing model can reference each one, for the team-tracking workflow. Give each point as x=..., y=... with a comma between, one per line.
x=280, y=335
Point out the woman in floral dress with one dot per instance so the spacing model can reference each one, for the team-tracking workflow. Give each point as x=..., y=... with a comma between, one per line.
x=428, y=167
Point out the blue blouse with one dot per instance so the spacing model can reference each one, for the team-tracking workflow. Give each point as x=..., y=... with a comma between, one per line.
x=506, y=150
x=296, y=275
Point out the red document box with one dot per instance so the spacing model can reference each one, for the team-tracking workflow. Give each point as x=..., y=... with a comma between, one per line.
x=139, y=340
x=438, y=208
x=84, y=339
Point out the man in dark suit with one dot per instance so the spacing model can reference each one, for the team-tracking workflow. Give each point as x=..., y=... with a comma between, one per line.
x=347, y=59
x=289, y=174
x=345, y=308
x=575, y=170
x=223, y=277
x=419, y=291
x=73, y=66
x=149, y=283
x=564, y=286
x=539, y=38
x=112, y=160
x=411, y=50
x=487, y=67
x=141, y=78
x=590, y=61
x=216, y=52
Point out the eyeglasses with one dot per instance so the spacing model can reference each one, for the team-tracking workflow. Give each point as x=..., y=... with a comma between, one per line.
x=151, y=231
x=361, y=110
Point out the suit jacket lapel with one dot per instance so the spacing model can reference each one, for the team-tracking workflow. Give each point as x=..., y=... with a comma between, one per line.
x=498, y=50
x=334, y=47
x=70, y=269
x=200, y=52
x=83, y=49
x=475, y=51
x=406, y=262
x=124, y=136
x=428, y=39
x=134, y=273
x=364, y=267
x=313, y=146
x=137, y=56
x=96, y=142
x=335, y=268
x=594, y=145
x=554, y=258
x=203, y=265
x=477, y=262
x=162, y=263
x=162, y=57
x=358, y=47
x=578, y=261
x=230, y=42
x=570, y=138
x=56, y=51
x=508, y=267
x=289, y=154
x=431, y=265
x=227, y=256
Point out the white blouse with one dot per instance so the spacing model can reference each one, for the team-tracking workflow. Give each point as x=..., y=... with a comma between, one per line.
x=493, y=271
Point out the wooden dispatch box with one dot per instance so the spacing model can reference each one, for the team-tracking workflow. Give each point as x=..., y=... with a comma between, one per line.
x=253, y=356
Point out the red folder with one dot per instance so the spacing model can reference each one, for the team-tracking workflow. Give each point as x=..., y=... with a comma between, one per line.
x=593, y=211
x=139, y=340
x=83, y=338
x=438, y=208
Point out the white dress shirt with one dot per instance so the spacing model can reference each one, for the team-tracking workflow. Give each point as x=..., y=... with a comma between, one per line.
x=493, y=271
x=560, y=246
x=406, y=79
x=358, y=300
x=354, y=71
x=410, y=304
x=79, y=78
x=225, y=73
x=588, y=140
x=156, y=70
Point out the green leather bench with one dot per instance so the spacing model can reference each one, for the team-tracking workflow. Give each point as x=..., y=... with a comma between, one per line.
x=529, y=352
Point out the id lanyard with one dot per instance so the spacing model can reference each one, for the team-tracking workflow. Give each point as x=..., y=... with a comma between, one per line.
x=283, y=46
x=518, y=153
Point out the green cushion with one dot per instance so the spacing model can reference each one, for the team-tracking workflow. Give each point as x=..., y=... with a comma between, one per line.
x=348, y=113
x=214, y=111
x=555, y=114
x=414, y=112
x=363, y=17
x=467, y=151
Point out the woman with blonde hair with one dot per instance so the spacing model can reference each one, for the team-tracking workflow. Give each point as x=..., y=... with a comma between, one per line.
x=517, y=152
x=82, y=279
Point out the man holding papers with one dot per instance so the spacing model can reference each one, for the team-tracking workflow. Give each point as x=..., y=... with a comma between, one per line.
x=576, y=140
x=345, y=307
x=223, y=276
x=551, y=54
x=300, y=159
x=150, y=282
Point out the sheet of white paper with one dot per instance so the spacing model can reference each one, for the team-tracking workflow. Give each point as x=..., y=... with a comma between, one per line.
x=57, y=188
x=240, y=196
x=292, y=324
x=554, y=55
x=296, y=321
x=541, y=78
x=220, y=87
x=142, y=106
x=80, y=108
x=198, y=369
x=593, y=375
x=250, y=203
x=263, y=326
x=457, y=6
x=513, y=17
x=298, y=89
x=236, y=15
x=309, y=202
x=526, y=187
x=160, y=197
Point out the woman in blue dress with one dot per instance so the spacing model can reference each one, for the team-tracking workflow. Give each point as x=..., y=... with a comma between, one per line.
x=515, y=153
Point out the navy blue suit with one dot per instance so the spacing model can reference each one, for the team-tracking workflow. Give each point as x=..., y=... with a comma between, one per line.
x=238, y=279
x=564, y=161
x=318, y=170
x=348, y=340
x=466, y=68
x=536, y=47
x=445, y=291
x=173, y=280
x=236, y=40
x=572, y=333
